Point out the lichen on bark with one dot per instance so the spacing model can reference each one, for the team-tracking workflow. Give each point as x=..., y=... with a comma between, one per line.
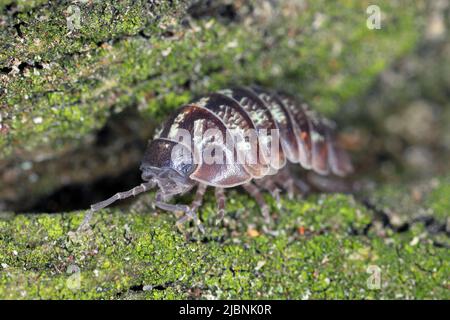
x=317, y=249
x=64, y=91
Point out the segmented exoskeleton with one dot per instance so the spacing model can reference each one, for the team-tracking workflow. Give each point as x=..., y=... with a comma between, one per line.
x=285, y=129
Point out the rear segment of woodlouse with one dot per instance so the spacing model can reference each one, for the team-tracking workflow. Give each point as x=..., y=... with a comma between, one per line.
x=236, y=137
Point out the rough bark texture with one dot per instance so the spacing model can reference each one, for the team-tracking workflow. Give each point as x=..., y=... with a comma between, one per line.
x=77, y=105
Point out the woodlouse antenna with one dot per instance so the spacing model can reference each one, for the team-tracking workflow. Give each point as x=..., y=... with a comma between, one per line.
x=122, y=195
x=143, y=187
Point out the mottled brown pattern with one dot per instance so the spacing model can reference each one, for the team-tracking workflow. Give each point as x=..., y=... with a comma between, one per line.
x=304, y=137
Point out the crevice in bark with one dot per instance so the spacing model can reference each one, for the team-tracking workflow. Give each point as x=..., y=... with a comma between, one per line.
x=432, y=225
x=104, y=165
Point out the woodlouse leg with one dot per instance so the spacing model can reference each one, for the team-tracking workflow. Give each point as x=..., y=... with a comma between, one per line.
x=301, y=185
x=289, y=186
x=199, y=194
x=198, y=200
x=269, y=185
x=256, y=194
x=220, y=199
x=329, y=184
x=289, y=182
x=189, y=213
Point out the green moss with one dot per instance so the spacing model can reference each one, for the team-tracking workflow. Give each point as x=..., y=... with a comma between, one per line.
x=141, y=255
x=323, y=51
x=22, y=5
x=46, y=32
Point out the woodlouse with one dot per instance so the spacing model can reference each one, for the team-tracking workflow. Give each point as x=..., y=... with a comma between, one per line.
x=302, y=137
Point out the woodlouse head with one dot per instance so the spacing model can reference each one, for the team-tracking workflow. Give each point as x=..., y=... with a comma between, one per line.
x=168, y=164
